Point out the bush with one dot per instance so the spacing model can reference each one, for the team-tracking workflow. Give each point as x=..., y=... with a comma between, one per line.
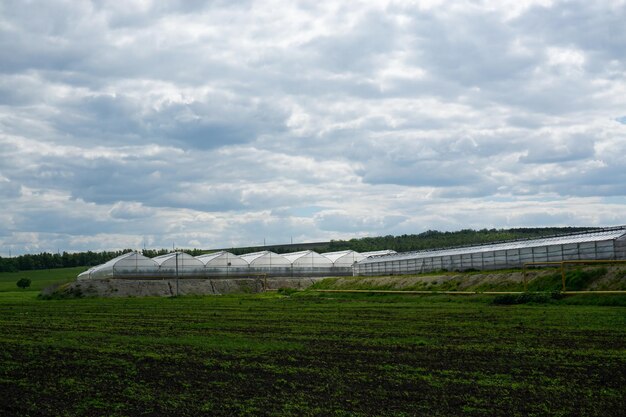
x=575, y=280
x=23, y=283
x=579, y=279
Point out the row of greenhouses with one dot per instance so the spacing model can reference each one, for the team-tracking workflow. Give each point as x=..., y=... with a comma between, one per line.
x=225, y=264
x=602, y=244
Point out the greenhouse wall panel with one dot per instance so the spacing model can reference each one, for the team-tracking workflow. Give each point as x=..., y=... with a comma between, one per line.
x=571, y=252
x=513, y=257
x=620, y=248
x=477, y=260
x=555, y=253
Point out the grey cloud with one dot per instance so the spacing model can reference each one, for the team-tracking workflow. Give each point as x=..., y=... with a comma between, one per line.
x=421, y=173
x=130, y=210
x=355, y=50
x=344, y=222
x=596, y=27
x=551, y=150
x=208, y=125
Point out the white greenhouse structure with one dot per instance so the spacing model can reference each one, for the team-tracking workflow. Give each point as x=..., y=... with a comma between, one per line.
x=129, y=264
x=309, y=263
x=601, y=244
x=179, y=264
x=377, y=253
x=223, y=264
x=266, y=262
x=344, y=258
x=604, y=244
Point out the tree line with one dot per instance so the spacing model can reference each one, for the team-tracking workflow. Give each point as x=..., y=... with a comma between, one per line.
x=431, y=239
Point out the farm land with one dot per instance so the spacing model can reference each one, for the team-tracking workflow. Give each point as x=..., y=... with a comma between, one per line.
x=309, y=354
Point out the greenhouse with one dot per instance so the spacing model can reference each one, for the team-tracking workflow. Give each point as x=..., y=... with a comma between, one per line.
x=344, y=260
x=179, y=264
x=223, y=264
x=266, y=262
x=309, y=263
x=377, y=253
x=129, y=264
x=86, y=274
x=604, y=244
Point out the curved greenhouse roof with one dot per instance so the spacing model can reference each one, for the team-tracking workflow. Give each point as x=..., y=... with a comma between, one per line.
x=131, y=263
x=180, y=262
x=344, y=257
x=377, y=253
x=265, y=259
x=222, y=258
x=84, y=275
x=308, y=258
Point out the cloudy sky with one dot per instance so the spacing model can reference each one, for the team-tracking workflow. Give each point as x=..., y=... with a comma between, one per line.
x=223, y=123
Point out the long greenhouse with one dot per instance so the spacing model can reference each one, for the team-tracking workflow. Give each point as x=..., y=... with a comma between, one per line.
x=604, y=244
x=224, y=264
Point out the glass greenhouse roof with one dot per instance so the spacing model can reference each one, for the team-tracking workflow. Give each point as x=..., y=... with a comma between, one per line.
x=593, y=236
x=250, y=257
x=378, y=253
x=333, y=256
x=292, y=256
x=210, y=256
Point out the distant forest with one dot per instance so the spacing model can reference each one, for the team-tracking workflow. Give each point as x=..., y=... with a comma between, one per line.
x=431, y=239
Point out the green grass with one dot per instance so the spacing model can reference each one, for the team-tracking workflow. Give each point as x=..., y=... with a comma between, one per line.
x=40, y=279
x=308, y=354
x=575, y=280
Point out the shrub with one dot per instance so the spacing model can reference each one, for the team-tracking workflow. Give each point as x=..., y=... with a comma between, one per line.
x=578, y=280
x=23, y=283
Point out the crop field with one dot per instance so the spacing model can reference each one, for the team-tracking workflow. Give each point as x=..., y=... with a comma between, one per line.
x=309, y=355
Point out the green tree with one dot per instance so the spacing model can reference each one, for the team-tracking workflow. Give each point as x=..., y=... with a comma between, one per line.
x=23, y=283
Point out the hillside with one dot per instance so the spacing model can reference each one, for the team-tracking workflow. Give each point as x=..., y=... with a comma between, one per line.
x=594, y=278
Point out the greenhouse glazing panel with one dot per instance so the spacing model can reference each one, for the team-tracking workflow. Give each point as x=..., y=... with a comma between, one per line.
x=540, y=254
x=555, y=253
x=570, y=252
x=500, y=257
x=588, y=250
x=512, y=256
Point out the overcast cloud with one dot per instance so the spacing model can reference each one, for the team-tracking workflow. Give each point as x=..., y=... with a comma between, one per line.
x=225, y=123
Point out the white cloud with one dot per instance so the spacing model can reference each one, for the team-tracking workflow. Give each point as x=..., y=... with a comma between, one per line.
x=225, y=123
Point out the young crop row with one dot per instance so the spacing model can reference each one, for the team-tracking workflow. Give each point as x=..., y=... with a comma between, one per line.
x=308, y=355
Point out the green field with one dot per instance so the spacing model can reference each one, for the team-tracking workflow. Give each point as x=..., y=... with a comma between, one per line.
x=40, y=278
x=348, y=355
